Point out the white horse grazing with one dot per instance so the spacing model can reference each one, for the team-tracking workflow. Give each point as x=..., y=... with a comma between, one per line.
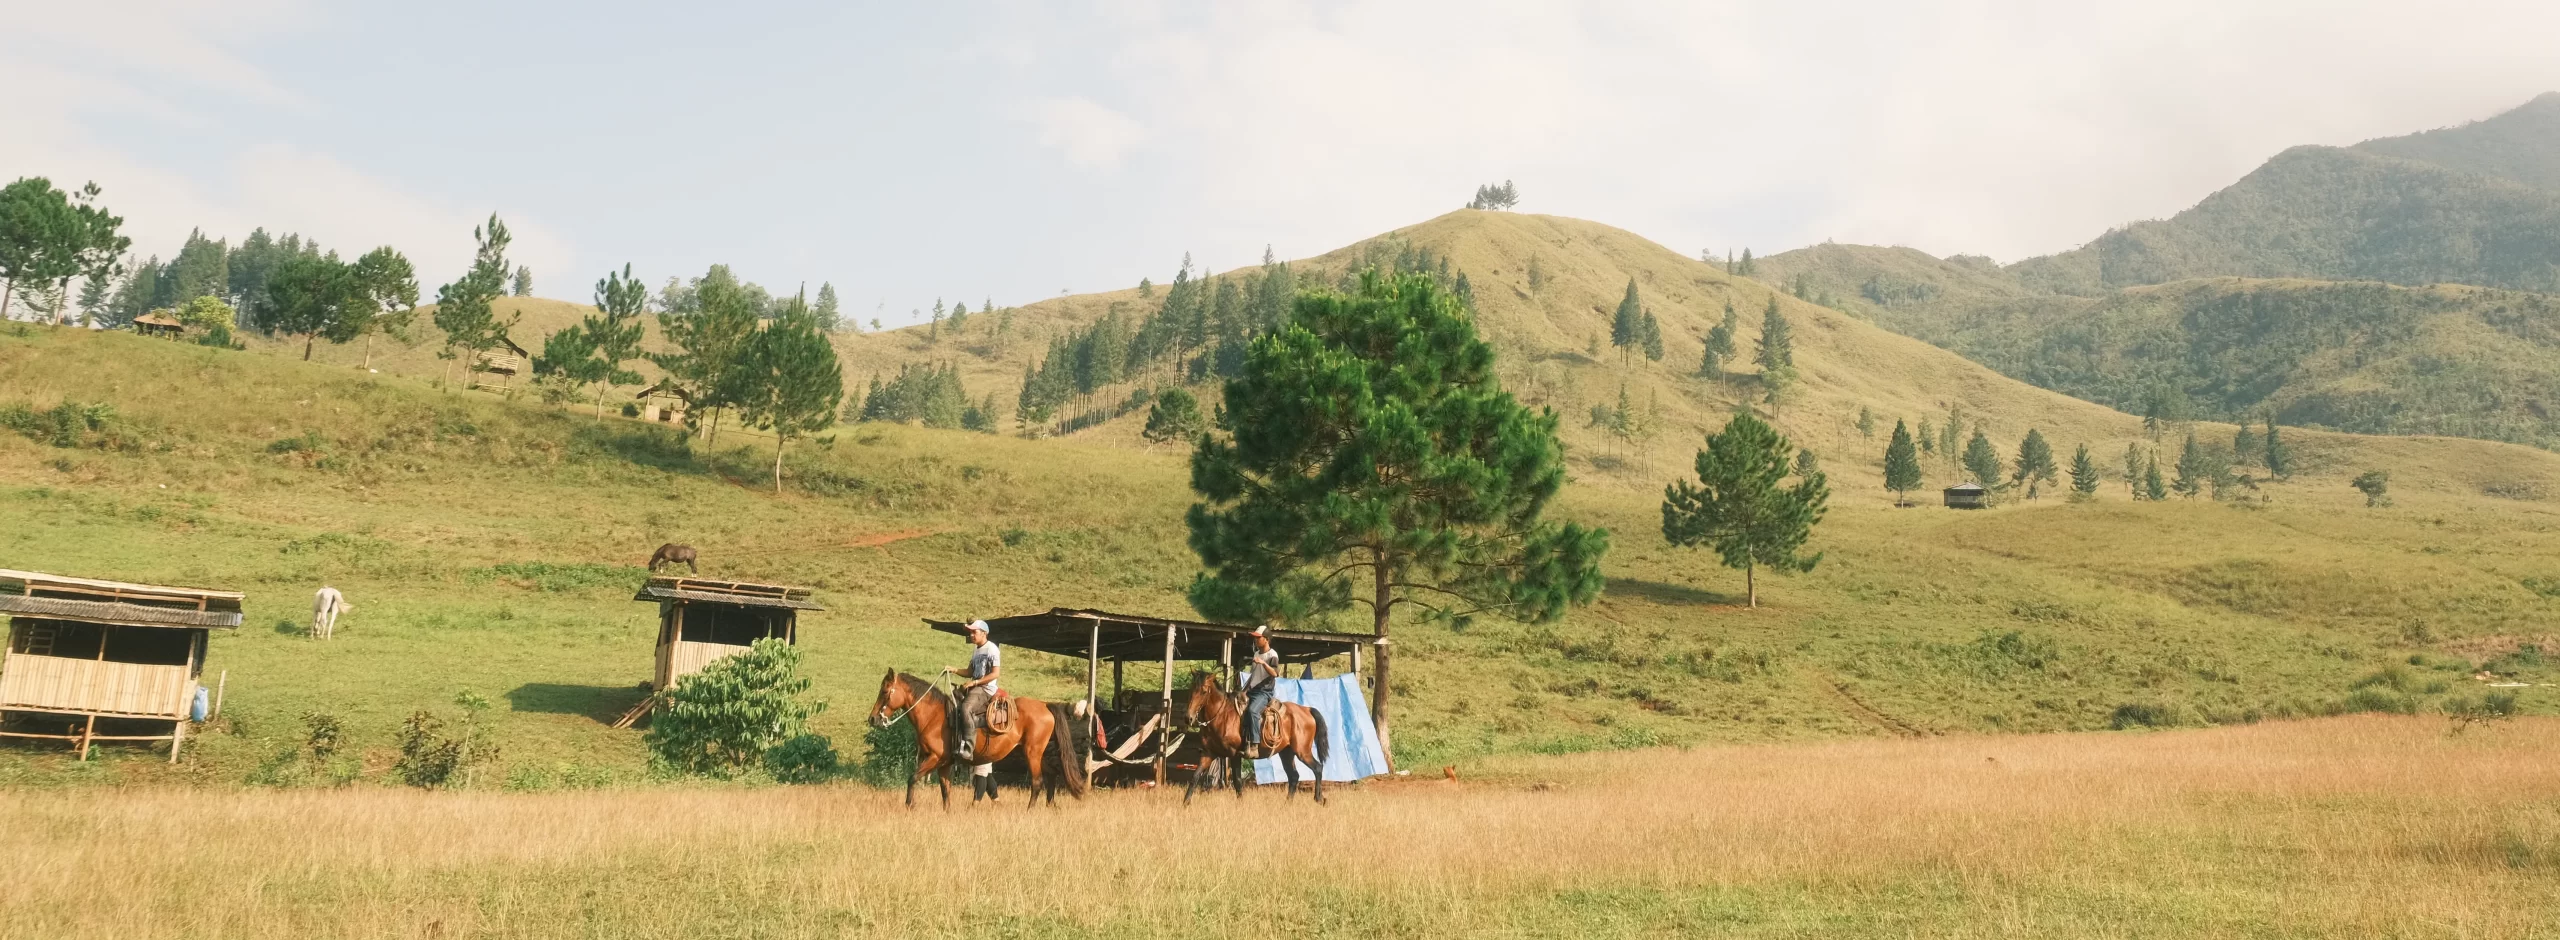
x=325, y=608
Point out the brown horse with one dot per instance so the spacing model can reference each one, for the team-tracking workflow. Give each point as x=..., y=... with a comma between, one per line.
x=1293, y=732
x=1041, y=732
x=674, y=554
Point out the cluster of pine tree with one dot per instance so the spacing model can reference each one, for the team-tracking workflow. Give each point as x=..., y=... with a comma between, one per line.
x=927, y=394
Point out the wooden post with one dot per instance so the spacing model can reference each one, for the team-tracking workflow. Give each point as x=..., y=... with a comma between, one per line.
x=1355, y=661
x=85, y=731
x=1115, y=681
x=176, y=736
x=1164, y=731
x=1227, y=658
x=218, y=686
x=1093, y=665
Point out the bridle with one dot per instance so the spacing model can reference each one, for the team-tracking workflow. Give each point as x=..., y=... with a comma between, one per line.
x=879, y=722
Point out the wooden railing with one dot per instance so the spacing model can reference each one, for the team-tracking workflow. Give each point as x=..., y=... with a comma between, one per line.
x=54, y=683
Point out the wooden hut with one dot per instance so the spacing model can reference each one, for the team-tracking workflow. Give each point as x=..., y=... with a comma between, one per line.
x=82, y=651
x=703, y=619
x=156, y=323
x=1967, y=495
x=504, y=361
x=1100, y=636
x=665, y=402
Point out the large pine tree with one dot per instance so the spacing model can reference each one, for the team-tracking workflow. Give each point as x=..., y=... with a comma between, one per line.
x=1367, y=455
x=2035, y=465
x=1626, y=330
x=1741, y=506
x=464, y=308
x=1777, y=352
x=2084, y=475
x=1982, y=461
x=788, y=381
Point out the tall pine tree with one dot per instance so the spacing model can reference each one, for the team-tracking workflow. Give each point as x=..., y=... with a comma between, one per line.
x=2084, y=475
x=1626, y=330
x=1777, y=353
x=2035, y=463
x=787, y=380
x=1901, y=464
x=1366, y=454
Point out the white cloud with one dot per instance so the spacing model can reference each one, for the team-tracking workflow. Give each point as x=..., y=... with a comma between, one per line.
x=1089, y=135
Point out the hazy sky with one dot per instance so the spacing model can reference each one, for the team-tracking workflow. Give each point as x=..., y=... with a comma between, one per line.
x=1014, y=149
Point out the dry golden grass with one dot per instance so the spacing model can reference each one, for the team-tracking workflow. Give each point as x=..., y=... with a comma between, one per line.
x=2347, y=827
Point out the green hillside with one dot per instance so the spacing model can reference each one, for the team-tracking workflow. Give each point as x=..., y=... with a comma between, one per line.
x=2522, y=145
x=490, y=546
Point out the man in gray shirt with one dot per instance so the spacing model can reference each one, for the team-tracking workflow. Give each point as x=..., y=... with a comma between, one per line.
x=1257, y=687
x=986, y=662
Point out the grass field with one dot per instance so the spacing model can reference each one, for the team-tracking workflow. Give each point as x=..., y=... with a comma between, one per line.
x=2369, y=827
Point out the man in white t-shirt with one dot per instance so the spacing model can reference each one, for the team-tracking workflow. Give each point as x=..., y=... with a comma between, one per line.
x=986, y=663
x=1263, y=668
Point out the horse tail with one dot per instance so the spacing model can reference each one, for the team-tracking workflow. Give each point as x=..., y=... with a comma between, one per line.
x=1066, y=720
x=1324, y=741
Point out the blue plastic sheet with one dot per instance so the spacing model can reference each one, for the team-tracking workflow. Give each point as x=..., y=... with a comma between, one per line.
x=1354, y=751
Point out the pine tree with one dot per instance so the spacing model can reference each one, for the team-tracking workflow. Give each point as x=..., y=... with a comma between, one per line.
x=1928, y=438
x=708, y=341
x=2190, y=479
x=1395, y=479
x=829, y=311
x=2376, y=487
x=1748, y=269
x=2244, y=444
x=1652, y=337
x=1866, y=423
x=463, y=308
x=1174, y=417
x=524, y=281
x=2035, y=463
x=1901, y=464
x=2133, y=470
x=2277, y=458
x=1982, y=462
x=1626, y=330
x=787, y=380
x=1740, y=507
x=2084, y=475
x=1777, y=351
x=95, y=295
x=959, y=318
x=1720, y=344
x=2151, y=488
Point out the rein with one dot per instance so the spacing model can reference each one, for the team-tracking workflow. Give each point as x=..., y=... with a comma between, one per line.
x=911, y=706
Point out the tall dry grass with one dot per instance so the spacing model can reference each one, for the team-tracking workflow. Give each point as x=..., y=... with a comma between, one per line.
x=2350, y=827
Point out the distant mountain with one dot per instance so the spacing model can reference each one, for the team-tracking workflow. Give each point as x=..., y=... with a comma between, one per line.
x=2320, y=287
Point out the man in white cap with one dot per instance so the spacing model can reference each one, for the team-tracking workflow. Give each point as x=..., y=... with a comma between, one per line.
x=1264, y=667
x=986, y=662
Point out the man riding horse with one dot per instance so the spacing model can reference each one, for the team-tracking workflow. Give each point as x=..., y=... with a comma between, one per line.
x=1259, y=679
x=986, y=663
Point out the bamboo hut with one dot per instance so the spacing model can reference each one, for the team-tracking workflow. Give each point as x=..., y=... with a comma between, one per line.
x=82, y=651
x=703, y=619
x=1965, y=496
x=665, y=402
x=505, y=361
x=156, y=323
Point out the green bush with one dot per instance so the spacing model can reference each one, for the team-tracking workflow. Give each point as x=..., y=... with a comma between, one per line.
x=723, y=719
x=2378, y=698
x=809, y=758
x=2143, y=715
x=889, y=754
x=434, y=759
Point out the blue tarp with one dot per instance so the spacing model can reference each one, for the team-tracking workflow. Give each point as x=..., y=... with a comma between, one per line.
x=1354, y=749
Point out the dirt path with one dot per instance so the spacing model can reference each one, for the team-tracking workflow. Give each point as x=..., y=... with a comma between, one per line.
x=1865, y=712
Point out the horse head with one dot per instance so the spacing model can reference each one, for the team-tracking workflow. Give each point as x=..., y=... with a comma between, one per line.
x=896, y=697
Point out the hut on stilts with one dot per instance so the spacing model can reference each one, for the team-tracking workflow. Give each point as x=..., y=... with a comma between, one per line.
x=83, y=652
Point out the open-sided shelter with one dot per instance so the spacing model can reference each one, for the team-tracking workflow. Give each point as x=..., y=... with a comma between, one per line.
x=664, y=402
x=502, y=363
x=703, y=619
x=156, y=323
x=1119, y=639
x=82, y=650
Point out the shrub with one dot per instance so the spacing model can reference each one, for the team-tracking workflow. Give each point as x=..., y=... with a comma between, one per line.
x=723, y=719
x=889, y=754
x=2377, y=698
x=432, y=759
x=2144, y=715
x=809, y=758
x=2394, y=677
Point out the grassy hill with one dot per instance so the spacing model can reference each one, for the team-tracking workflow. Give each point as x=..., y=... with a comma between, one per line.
x=2522, y=145
x=491, y=545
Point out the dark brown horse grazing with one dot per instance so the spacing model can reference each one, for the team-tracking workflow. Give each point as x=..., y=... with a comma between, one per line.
x=1041, y=732
x=674, y=554
x=1293, y=732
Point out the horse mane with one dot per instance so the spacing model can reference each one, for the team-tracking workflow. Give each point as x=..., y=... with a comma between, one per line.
x=922, y=689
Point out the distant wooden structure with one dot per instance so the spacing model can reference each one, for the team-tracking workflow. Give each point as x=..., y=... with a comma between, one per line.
x=1966, y=495
x=665, y=402
x=158, y=324
x=82, y=650
x=1099, y=636
x=506, y=361
x=703, y=619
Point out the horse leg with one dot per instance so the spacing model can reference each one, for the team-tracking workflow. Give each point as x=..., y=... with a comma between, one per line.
x=1318, y=767
x=1235, y=776
x=1289, y=763
x=1194, y=784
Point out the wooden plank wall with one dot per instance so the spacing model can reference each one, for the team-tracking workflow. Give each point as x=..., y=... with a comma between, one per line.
x=55, y=683
x=685, y=659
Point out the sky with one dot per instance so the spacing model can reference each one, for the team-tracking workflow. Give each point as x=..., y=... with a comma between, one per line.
x=1015, y=149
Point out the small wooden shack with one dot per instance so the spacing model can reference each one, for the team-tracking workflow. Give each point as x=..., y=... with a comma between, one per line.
x=703, y=619
x=156, y=323
x=665, y=402
x=82, y=651
x=504, y=361
x=1967, y=495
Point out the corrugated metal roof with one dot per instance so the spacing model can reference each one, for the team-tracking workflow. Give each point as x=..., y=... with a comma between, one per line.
x=55, y=608
x=1131, y=638
x=655, y=592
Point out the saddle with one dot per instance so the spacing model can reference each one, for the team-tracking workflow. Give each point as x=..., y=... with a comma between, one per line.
x=1000, y=713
